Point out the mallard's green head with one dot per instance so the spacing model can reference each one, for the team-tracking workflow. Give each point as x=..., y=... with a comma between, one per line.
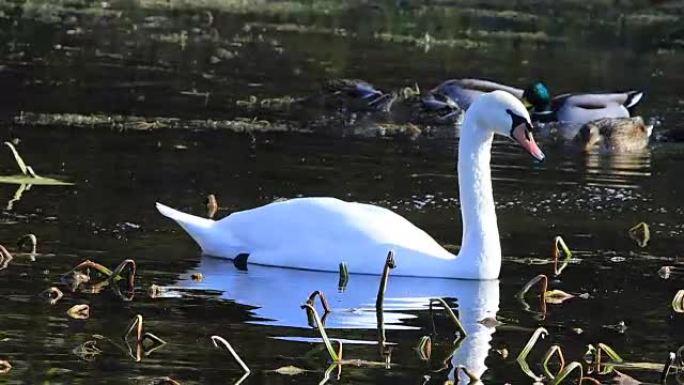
x=537, y=97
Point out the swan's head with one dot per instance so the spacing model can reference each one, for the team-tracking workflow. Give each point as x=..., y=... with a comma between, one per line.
x=504, y=114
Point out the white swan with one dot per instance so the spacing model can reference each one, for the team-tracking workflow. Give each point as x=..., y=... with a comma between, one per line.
x=319, y=233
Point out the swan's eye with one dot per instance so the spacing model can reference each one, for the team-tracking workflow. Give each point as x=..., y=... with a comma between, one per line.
x=517, y=120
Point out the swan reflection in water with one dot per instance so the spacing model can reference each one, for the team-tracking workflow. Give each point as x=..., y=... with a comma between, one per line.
x=278, y=293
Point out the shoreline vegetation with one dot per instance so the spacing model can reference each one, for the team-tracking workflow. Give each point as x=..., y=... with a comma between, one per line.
x=217, y=34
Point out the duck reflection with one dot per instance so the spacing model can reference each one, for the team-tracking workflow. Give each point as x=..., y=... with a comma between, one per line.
x=617, y=170
x=277, y=294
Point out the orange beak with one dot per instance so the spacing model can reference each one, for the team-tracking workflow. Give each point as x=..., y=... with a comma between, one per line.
x=523, y=136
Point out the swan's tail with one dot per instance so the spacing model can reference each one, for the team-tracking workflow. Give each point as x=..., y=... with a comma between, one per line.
x=198, y=228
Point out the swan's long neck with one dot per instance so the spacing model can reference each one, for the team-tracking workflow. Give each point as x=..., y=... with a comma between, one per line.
x=480, y=248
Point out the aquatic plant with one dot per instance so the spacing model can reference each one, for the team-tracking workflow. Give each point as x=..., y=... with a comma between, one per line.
x=522, y=356
x=640, y=233
x=521, y=294
x=334, y=356
x=566, y=372
x=344, y=277
x=5, y=367
x=424, y=348
x=324, y=303
x=53, y=295
x=678, y=302
x=32, y=241
x=212, y=205
x=5, y=258
x=559, y=247
x=597, y=352
x=216, y=340
x=450, y=313
x=380, y=298
x=87, y=351
x=140, y=337
x=80, y=275
x=27, y=176
x=553, y=350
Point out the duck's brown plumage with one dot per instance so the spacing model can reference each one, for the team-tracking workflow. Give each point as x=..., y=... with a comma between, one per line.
x=614, y=134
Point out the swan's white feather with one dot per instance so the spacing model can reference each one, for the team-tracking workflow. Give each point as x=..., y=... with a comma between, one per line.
x=318, y=234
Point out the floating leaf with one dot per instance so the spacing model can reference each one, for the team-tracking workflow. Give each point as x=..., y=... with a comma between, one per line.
x=30, y=180
x=290, y=370
x=556, y=297
x=640, y=233
x=665, y=272
x=5, y=367
x=79, y=311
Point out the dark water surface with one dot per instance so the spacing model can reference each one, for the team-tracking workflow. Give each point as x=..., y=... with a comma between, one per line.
x=153, y=59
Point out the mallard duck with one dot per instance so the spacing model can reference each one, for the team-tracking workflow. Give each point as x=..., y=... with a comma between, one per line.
x=351, y=95
x=583, y=108
x=614, y=134
x=299, y=233
x=428, y=109
x=536, y=97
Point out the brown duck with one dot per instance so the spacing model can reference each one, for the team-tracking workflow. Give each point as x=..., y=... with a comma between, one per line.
x=614, y=134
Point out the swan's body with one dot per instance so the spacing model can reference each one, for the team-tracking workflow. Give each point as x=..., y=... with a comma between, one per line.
x=319, y=233
x=614, y=134
x=583, y=108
